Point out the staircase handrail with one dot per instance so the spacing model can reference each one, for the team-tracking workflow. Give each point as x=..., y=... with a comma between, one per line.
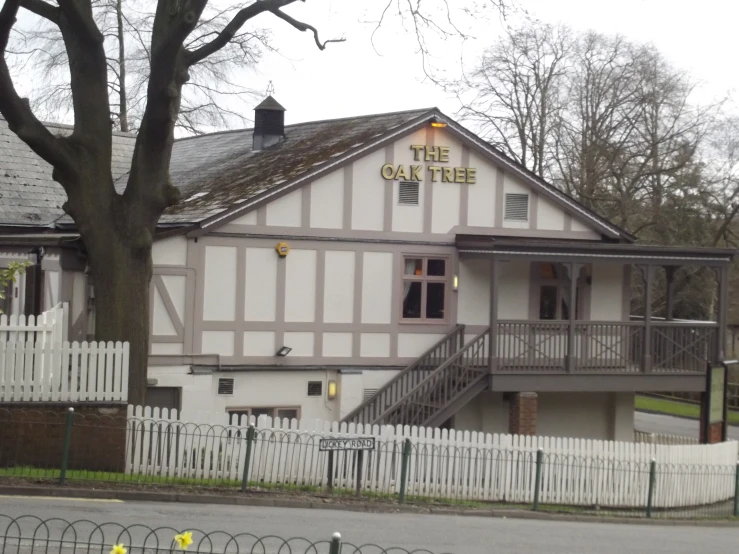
x=435, y=373
x=455, y=333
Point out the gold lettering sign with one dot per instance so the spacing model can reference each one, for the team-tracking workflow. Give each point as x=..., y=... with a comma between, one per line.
x=435, y=154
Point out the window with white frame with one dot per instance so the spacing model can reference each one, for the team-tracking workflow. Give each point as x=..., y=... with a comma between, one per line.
x=425, y=287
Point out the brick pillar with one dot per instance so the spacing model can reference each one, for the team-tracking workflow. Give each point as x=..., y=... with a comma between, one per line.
x=523, y=413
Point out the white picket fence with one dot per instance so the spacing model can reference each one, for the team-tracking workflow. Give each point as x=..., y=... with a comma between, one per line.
x=63, y=372
x=662, y=438
x=442, y=464
x=50, y=326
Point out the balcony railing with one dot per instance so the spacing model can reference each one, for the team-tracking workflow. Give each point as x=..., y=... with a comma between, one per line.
x=604, y=346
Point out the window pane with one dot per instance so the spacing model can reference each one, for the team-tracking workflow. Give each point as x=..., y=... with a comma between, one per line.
x=411, y=300
x=437, y=268
x=289, y=413
x=548, y=302
x=547, y=271
x=235, y=416
x=435, y=300
x=256, y=412
x=413, y=266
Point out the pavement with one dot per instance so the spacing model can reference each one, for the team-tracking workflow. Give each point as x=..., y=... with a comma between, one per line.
x=671, y=425
x=437, y=533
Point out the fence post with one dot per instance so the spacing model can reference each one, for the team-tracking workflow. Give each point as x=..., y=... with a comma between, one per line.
x=537, y=480
x=736, y=492
x=404, y=469
x=330, y=480
x=359, y=473
x=652, y=478
x=335, y=547
x=67, y=441
x=249, y=441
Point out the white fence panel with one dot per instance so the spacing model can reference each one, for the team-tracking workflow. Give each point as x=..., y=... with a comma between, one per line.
x=442, y=464
x=42, y=371
x=50, y=326
x=660, y=438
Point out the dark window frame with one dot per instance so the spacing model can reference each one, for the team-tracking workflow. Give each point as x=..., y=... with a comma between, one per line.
x=249, y=410
x=424, y=278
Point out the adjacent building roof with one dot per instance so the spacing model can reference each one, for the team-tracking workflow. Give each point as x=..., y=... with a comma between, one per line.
x=29, y=197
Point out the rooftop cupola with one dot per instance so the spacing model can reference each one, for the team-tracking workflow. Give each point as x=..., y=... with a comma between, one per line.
x=269, y=123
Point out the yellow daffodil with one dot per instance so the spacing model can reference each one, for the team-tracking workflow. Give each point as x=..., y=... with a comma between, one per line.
x=183, y=540
x=118, y=549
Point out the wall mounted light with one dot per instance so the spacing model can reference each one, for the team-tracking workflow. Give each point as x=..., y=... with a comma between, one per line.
x=331, y=392
x=438, y=124
x=455, y=282
x=284, y=351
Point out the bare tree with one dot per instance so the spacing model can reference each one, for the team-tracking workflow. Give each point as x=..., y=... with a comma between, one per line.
x=596, y=122
x=514, y=96
x=118, y=229
x=126, y=26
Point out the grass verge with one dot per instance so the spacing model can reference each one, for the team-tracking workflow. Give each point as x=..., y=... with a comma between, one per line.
x=675, y=408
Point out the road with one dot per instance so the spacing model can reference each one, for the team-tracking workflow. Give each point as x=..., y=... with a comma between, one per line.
x=439, y=534
x=655, y=423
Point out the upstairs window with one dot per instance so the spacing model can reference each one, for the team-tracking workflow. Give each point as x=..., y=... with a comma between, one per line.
x=425, y=283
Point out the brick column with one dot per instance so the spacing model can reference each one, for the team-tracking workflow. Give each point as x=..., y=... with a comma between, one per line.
x=523, y=413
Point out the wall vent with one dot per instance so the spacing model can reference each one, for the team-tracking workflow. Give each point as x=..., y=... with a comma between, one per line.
x=225, y=386
x=408, y=193
x=315, y=388
x=516, y=207
x=368, y=393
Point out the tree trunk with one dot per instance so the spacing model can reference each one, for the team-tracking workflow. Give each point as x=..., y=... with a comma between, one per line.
x=121, y=278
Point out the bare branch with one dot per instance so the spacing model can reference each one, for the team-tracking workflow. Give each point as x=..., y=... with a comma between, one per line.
x=300, y=26
x=17, y=110
x=230, y=30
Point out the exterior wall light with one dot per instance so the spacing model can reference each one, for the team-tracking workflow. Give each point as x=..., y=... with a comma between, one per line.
x=331, y=392
x=438, y=124
x=284, y=351
x=455, y=282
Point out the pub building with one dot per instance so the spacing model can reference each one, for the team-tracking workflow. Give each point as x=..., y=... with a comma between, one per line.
x=391, y=269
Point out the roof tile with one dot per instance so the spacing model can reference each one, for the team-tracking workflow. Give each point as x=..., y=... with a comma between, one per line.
x=221, y=165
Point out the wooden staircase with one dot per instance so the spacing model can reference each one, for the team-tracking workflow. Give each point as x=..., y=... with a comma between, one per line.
x=434, y=387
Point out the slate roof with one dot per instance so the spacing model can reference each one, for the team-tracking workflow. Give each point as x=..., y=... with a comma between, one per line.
x=220, y=172
x=213, y=172
x=28, y=195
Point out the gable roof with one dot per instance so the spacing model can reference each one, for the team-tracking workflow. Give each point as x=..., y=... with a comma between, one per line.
x=220, y=172
x=220, y=177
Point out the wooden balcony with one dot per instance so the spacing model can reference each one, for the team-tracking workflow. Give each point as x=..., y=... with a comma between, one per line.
x=603, y=347
x=543, y=356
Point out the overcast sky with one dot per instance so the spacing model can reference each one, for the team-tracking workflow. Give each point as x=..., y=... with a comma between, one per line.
x=351, y=78
x=360, y=76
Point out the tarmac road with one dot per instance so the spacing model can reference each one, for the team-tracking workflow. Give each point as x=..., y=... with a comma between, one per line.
x=438, y=533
